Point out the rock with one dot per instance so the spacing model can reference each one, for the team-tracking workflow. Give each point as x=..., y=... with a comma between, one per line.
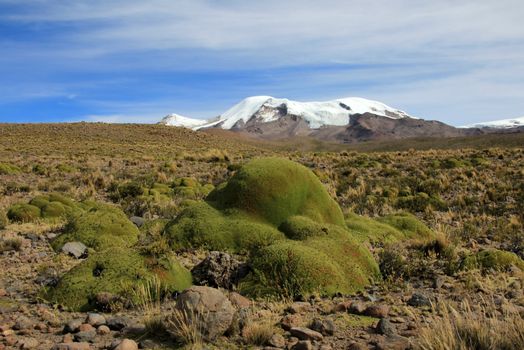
x=85, y=327
x=393, y=343
x=27, y=343
x=303, y=345
x=357, y=346
x=137, y=220
x=342, y=306
x=239, y=301
x=219, y=269
x=127, y=344
x=210, y=307
x=419, y=300
x=85, y=336
x=377, y=311
x=304, y=333
x=75, y=249
x=299, y=307
x=325, y=347
x=325, y=327
x=357, y=308
x=103, y=330
x=277, y=341
x=95, y=319
x=48, y=278
x=73, y=325
x=68, y=338
x=385, y=327
x=118, y=323
x=72, y=346
x=23, y=323
x=289, y=321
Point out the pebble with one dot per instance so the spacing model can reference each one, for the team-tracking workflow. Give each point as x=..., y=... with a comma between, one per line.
x=85, y=336
x=303, y=345
x=325, y=327
x=357, y=308
x=95, y=319
x=377, y=311
x=103, y=330
x=127, y=344
x=385, y=327
x=85, y=327
x=304, y=333
x=73, y=325
x=277, y=341
x=72, y=346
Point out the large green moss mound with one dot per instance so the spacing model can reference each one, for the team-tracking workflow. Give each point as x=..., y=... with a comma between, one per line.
x=99, y=226
x=23, y=213
x=274, y=189
x=115, y=271
x=49, y=206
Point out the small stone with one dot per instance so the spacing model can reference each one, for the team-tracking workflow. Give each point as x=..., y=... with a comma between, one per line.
x=23, y=323
x=304, y=333
x=73, y=325
x=85, y=327
x=357, y=346
x=137, y=220
x=127, y=344
x=342, y=306
x=325, y=347
x=393, y=343
x=85, y=336
x=103, y=330
x=377, y=311
x=438, y=282
x=239, y=301
x=95, y=319
x=385, y=327
x=325, y=327
x=277, y=341
x=290, y=321
x=10, y=340
x=28, y=343
x=118, y=323
x=299, y=307
x=419, y=300
x=75, y=249
x=68, y=338
x=357, y=308
x=303, y=345
x=72, y=346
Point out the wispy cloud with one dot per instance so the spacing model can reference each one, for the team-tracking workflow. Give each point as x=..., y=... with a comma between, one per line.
x=456, y=61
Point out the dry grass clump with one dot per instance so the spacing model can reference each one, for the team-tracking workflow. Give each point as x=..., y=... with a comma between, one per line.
x=148, y=297
x=187, y=326
x=468, y=329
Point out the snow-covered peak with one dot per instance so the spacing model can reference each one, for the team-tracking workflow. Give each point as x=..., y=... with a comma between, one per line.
x=499, y=124
x=264, y=109
x=316, y=114
x=179, y=120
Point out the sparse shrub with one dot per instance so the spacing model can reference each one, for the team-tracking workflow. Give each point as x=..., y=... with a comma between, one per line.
x=23, y=213
x=39, y=169
x=10, y=244
x=8, y=169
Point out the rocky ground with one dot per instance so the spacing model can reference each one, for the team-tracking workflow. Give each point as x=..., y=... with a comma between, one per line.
x=386, y=316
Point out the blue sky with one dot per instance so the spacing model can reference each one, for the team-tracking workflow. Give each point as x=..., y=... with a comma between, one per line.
x=136, y=61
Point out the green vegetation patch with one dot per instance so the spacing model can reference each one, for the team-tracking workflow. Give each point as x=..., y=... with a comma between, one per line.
x=408, y=225
x=492, y=259
x=23, y=213
x=8, y=169
x=114, y=271
x=275, y=189
x=99, y=227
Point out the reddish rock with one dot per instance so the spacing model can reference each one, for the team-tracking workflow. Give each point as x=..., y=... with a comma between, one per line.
x=85, y=327
x=290, y=321
x=304, y=333
x=342, y=306
x=127, y=344
x=357, y=308
x=377, y=311
x=103, y=330
x=72, y=346
x=239, y=301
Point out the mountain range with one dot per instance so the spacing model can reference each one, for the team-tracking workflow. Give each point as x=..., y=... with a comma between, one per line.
x=345, y=120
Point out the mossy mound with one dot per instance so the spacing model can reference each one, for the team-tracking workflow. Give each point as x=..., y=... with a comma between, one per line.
x=389, y=229
x=49, y=206
x=114, y=271
x=275, y=189
x=100, y=226
x=200, y=225
x=492, y=259
x=294, y=233
x=23, y=213
x=189, y=188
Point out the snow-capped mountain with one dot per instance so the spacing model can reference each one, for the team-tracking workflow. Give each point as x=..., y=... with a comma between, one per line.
x=342, y=120
x=266, y=109
x=499, y=124
x=179, y=120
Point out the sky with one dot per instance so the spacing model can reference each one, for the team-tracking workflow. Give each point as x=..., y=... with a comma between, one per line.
x=460, y=62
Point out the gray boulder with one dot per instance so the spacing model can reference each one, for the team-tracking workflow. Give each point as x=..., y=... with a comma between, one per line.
x=219, y=270
x=208, y=307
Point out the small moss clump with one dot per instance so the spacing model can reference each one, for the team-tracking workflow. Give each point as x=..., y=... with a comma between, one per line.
x=113, y=271
x=23, y=213
x=99, y=227
x=53, y=210
x=409, y=225
x=492, y=259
